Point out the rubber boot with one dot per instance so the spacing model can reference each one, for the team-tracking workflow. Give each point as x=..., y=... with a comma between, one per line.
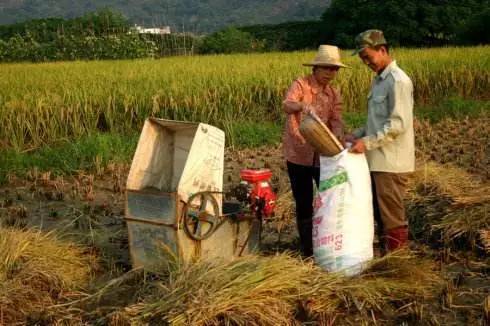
x=305, y=229
x=396, y=238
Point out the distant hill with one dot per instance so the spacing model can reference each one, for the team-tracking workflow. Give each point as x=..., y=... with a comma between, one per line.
x=188, y=15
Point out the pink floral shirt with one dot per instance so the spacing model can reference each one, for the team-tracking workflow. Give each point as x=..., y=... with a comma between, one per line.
x=326, y=103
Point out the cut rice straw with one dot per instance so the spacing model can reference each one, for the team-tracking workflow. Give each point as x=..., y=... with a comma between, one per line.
x=448, y=180
x=255, y=290
x=449, y=201
x=36, y=271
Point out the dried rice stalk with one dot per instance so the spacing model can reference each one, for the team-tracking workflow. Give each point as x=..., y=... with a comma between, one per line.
x=463, y=188
x=389, y=282
x=285, y=210
x=36, y=271
x=448, y=201
x=485, y=240
x=248, y=291
x=465, y=222
x=274, y=290
x=486, y=310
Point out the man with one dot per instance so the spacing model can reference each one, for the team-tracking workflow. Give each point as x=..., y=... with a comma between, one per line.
x=388, y=137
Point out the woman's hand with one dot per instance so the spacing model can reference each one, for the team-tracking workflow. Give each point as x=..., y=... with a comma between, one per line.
x=295, y=107
x=349, y=138
x=291, y=107
x=307, y=108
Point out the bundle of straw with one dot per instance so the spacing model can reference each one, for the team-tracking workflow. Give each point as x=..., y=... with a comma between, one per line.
x=485, y=240
x=448, y=203
x=435, y=180
x=285, y=210
x=36, y=271
x=385, y=290
x=277, y=290
x=249, y=291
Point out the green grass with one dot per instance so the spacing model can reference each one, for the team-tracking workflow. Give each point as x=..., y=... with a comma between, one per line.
x=86, y=153
x=254, y=134
x=99, y=149
x=454, y=107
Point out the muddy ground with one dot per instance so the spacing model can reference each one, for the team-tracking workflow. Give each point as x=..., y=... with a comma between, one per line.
x=89, y=207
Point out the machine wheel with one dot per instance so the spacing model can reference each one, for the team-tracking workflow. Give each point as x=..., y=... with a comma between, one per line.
x=196, y=218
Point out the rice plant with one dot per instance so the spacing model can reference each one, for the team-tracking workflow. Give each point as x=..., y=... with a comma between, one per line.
x=45, y=103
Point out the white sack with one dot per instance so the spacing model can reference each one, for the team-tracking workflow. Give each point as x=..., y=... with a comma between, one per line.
x=343, y=226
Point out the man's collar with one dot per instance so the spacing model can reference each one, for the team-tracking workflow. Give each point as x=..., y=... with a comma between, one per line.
x=387, y=70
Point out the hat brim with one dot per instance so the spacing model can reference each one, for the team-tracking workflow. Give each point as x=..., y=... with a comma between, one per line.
x=358, y=50
x=312, y=64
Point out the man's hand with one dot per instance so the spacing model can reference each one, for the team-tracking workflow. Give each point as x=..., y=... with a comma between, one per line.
x=358, y=147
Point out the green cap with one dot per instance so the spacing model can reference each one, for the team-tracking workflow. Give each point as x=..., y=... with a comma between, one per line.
x=369, y=39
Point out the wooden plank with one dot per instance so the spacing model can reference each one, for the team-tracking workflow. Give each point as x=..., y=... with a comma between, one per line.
x=153, y=207
x=150, y=244
x=204, y=167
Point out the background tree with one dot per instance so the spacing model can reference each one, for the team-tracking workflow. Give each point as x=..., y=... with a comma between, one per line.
x=475, y=31
x=229, y=40
x=288, y=36
x=100, y=22
x=407, y=23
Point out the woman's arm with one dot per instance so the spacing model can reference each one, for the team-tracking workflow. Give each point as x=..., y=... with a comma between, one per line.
x=293, y=100
x=292, y=107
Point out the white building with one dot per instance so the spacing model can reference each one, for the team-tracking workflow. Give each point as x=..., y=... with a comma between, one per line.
x=156, y=30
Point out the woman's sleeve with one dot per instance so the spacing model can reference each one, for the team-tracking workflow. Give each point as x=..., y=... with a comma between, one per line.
x=293, y=97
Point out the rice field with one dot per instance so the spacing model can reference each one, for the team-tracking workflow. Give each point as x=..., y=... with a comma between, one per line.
x=444, y=282
x=41, y=104
x=64, y=256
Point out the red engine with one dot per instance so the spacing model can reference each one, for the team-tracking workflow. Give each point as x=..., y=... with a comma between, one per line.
x=259, y=193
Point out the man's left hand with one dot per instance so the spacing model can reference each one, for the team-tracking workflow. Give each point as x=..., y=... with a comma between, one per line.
x=358, y=147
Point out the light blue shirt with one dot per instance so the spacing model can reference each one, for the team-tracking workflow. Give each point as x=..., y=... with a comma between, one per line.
x=388, y=134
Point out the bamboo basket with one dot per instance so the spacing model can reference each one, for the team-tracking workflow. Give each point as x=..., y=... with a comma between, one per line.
x=318, y=135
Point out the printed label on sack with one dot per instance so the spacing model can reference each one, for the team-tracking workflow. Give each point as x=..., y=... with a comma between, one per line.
x=317, y=202
x=333, y=240
x=326, y=258
x=333, y=181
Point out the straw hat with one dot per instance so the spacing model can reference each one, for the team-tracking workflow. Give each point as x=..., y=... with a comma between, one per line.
x=328, y=55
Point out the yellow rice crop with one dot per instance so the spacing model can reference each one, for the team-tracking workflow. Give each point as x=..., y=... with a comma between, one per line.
x=44, y=103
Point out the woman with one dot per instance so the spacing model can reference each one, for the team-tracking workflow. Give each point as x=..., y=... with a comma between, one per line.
x=310, y=93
